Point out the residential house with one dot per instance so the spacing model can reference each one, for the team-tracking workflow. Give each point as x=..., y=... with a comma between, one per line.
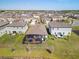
x=26, y=17
x=3, y=27
x=55, y=18
x=75, y=23
x=36, y=34
x=17, y=27
x=59, y=29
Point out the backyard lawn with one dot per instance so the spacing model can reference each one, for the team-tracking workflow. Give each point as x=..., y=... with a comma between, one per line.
x=61, y=48
x=75, y=27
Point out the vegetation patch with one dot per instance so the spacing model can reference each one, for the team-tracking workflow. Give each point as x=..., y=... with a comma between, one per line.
x=75, y=27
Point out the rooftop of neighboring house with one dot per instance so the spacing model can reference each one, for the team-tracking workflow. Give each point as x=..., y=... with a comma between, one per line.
x=29, y=15
x=76, y=15
x=46, y=18
x=17, y=24
x=38, y=29
x=55, y=24
x=3, y=24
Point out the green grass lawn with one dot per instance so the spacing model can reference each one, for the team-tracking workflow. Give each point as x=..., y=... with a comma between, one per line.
x=62, y=48
x=11, y=39
x=75, y=27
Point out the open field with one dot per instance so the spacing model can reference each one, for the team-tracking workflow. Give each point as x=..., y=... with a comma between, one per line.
x=62, y=48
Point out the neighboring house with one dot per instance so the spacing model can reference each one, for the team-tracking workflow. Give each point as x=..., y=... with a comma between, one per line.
x=3, y=27
x=26, y=17
x=75, y=23
x=76, y=16
x=17, y=27
x=55, y=18
x=11, y=19
x=59, y=29
x=36, y=34
x=36, y=16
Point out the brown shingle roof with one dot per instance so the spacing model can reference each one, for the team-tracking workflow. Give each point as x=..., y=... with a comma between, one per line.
x=37, y=29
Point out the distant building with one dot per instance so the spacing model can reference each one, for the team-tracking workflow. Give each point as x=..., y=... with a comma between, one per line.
x=46, y=19
x=55, y=18
x=17, y=27
x=36, y=16
x=26, y=17
x=76, y=16
x=33, y=21
x=59, y=29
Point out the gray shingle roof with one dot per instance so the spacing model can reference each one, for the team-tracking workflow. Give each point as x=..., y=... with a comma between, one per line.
x=17, y=24
x=2, y=23
x=37, y=29
x=55, y=24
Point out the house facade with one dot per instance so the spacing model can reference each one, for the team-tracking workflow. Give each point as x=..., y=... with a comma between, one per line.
x=17, y=27
x=59, y=29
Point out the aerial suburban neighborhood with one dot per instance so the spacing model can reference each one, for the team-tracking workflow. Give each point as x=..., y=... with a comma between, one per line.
x=12, y=23
x=40, y=32
x=39, y=29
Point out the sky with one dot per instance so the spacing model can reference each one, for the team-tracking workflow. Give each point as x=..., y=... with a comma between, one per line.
x=39, y=4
